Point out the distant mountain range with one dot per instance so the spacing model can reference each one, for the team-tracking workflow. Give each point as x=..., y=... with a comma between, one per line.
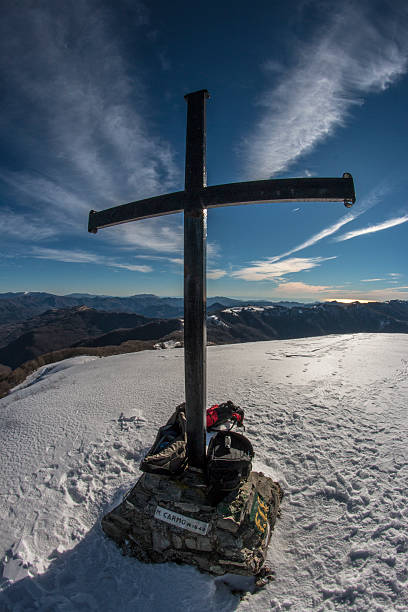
x=61, y=328
x=252, y=323
x=80, y=326
x=17, y=307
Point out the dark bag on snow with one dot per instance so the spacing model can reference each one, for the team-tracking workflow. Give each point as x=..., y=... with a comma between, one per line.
x=227, y=412
x=168, y=455
x=229, y=462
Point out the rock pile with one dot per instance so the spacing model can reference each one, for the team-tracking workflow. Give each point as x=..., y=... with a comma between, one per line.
x=165, y=519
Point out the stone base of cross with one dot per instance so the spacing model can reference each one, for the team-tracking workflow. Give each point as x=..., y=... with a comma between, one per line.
x=164, y=519
x=194, y=202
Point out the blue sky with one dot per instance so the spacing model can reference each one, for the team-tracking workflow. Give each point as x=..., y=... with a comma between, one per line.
x=93, y=115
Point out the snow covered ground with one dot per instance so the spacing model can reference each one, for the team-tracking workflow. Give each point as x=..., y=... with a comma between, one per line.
x=327, y=417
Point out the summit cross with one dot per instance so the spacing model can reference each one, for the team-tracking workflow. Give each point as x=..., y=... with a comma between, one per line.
x=194, y=201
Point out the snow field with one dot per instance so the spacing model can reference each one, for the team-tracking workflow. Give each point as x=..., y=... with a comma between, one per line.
x=327, y=417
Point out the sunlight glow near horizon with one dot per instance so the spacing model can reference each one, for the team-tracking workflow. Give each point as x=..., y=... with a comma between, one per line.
x=353, y=300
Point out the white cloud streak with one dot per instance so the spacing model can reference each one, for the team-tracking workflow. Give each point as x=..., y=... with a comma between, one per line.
x=279, y=265
x=298, y=289
x=387, y=293
x=373, y=198
x=324, y=233
x=174, y=260
x=270, y=269
x=373, y=228
x=350, y=56
x=216, y=273
x=151, y=234
x=371, y=280
x=85, y=257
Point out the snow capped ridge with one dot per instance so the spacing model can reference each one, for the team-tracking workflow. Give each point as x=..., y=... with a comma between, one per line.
x=327, y=418
x=248, y=309
x=213, y=319
x=254, y=322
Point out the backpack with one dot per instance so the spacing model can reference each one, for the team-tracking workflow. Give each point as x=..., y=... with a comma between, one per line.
x=220, y=414
x=229, y=462
x=168, y=455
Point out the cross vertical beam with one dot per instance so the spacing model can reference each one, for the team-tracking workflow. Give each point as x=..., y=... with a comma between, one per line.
x=195, y=235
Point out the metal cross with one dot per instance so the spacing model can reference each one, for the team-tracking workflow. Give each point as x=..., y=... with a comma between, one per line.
x=194, y=201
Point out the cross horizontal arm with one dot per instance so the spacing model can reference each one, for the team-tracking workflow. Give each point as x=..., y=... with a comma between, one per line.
x=253, y=192
x=280, y=190
x=142, y=209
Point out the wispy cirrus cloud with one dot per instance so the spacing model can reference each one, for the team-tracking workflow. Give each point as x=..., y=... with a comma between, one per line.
x=279, y=265
x=150, y=234
x=387, y=293
x=51, y=205
x=372, y=228
x=372, y=199
x=85, y=257
x=216, y=273
x=24, y=225
x=270, y=269
x=395, y=274
x=178, y=261
x=351, y=55
x=87, y=137
x=324, y=233
x=298, y=289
